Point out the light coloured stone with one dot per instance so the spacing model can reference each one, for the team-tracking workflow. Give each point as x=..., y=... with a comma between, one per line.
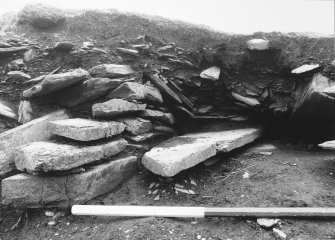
x=7, y=111
x=84, y=129
x=115, y=107
x=145, y=136
x=328, y=145
x=267, y=222
x=313, y=101
x=35, y=130
x=132, y=52
x=134, y=91
x=253, y=102
x=258, y=44
x=330, y=91
x=29, y=110
x=183, y=152
x=212, y=73
x=12, y=50
x=55, y=82
x=159, y=115
x=28, y=191
x=305, y=68
x=110, y=70
x=38, y=157
x=30, y=55
x=18, y=75
x=135, y=126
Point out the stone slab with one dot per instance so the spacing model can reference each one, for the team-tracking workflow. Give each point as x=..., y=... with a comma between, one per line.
x=116, y=107
x=84, y=129
x=55, y=82
x=89, y=90
x=330, y=145
x=183, y=152
x=32, y=131
x=41, y=157
x=136, y=126
x=134, y=91
x=158, y=115
x=28, y=191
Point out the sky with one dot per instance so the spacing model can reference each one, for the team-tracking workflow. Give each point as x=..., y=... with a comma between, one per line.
x=239, y=16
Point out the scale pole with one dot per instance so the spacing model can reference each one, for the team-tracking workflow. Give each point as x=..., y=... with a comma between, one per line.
x=200, y=212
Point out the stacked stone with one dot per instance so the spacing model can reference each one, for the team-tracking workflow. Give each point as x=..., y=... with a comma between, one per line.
x=87, y=158
x=72, y=171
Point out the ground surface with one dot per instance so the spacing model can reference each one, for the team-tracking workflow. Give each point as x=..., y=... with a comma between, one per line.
x=290, y=177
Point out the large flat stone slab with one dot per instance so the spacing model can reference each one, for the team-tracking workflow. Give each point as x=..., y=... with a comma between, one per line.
x=39, y=157
x=28, y=191
x=116, y=107
x=88, y=90
x=183, y=152
x=134, y=91
x=55, y=82
x=84, y=129
x=32, y=131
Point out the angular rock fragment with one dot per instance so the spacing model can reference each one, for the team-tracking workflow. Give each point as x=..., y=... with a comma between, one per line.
x=183, y=152
x=18, y=75
x=258, y=44
x=128, y=51
x=54, y=82
x=330, y=91
x=267, y=222
x=253, y=102
x=35, y=130
x=116, y=107
x=305, y=68
x=7, y=111
x=84, y=129
x=161, y=85
x=39, y=157
x=134, y=91
x=330, y=145
x=29, y=110
x=135, y=126
x=30, y=55
x=11, y=50
x=110, y=70
x=87, y=45
x=313, y=101
x=88, y=90
x=64, y=46
x=4, y=45
x=28, y=191
x=158, y=115
x=212, y=73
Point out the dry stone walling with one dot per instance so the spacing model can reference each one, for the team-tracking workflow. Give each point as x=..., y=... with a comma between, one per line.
x=66, y=157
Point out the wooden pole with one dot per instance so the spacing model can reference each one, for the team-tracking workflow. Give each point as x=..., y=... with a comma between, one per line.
x=199, y=212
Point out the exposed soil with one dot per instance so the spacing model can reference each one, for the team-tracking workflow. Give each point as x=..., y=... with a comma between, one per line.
x=295, y=175
x=291, y=177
